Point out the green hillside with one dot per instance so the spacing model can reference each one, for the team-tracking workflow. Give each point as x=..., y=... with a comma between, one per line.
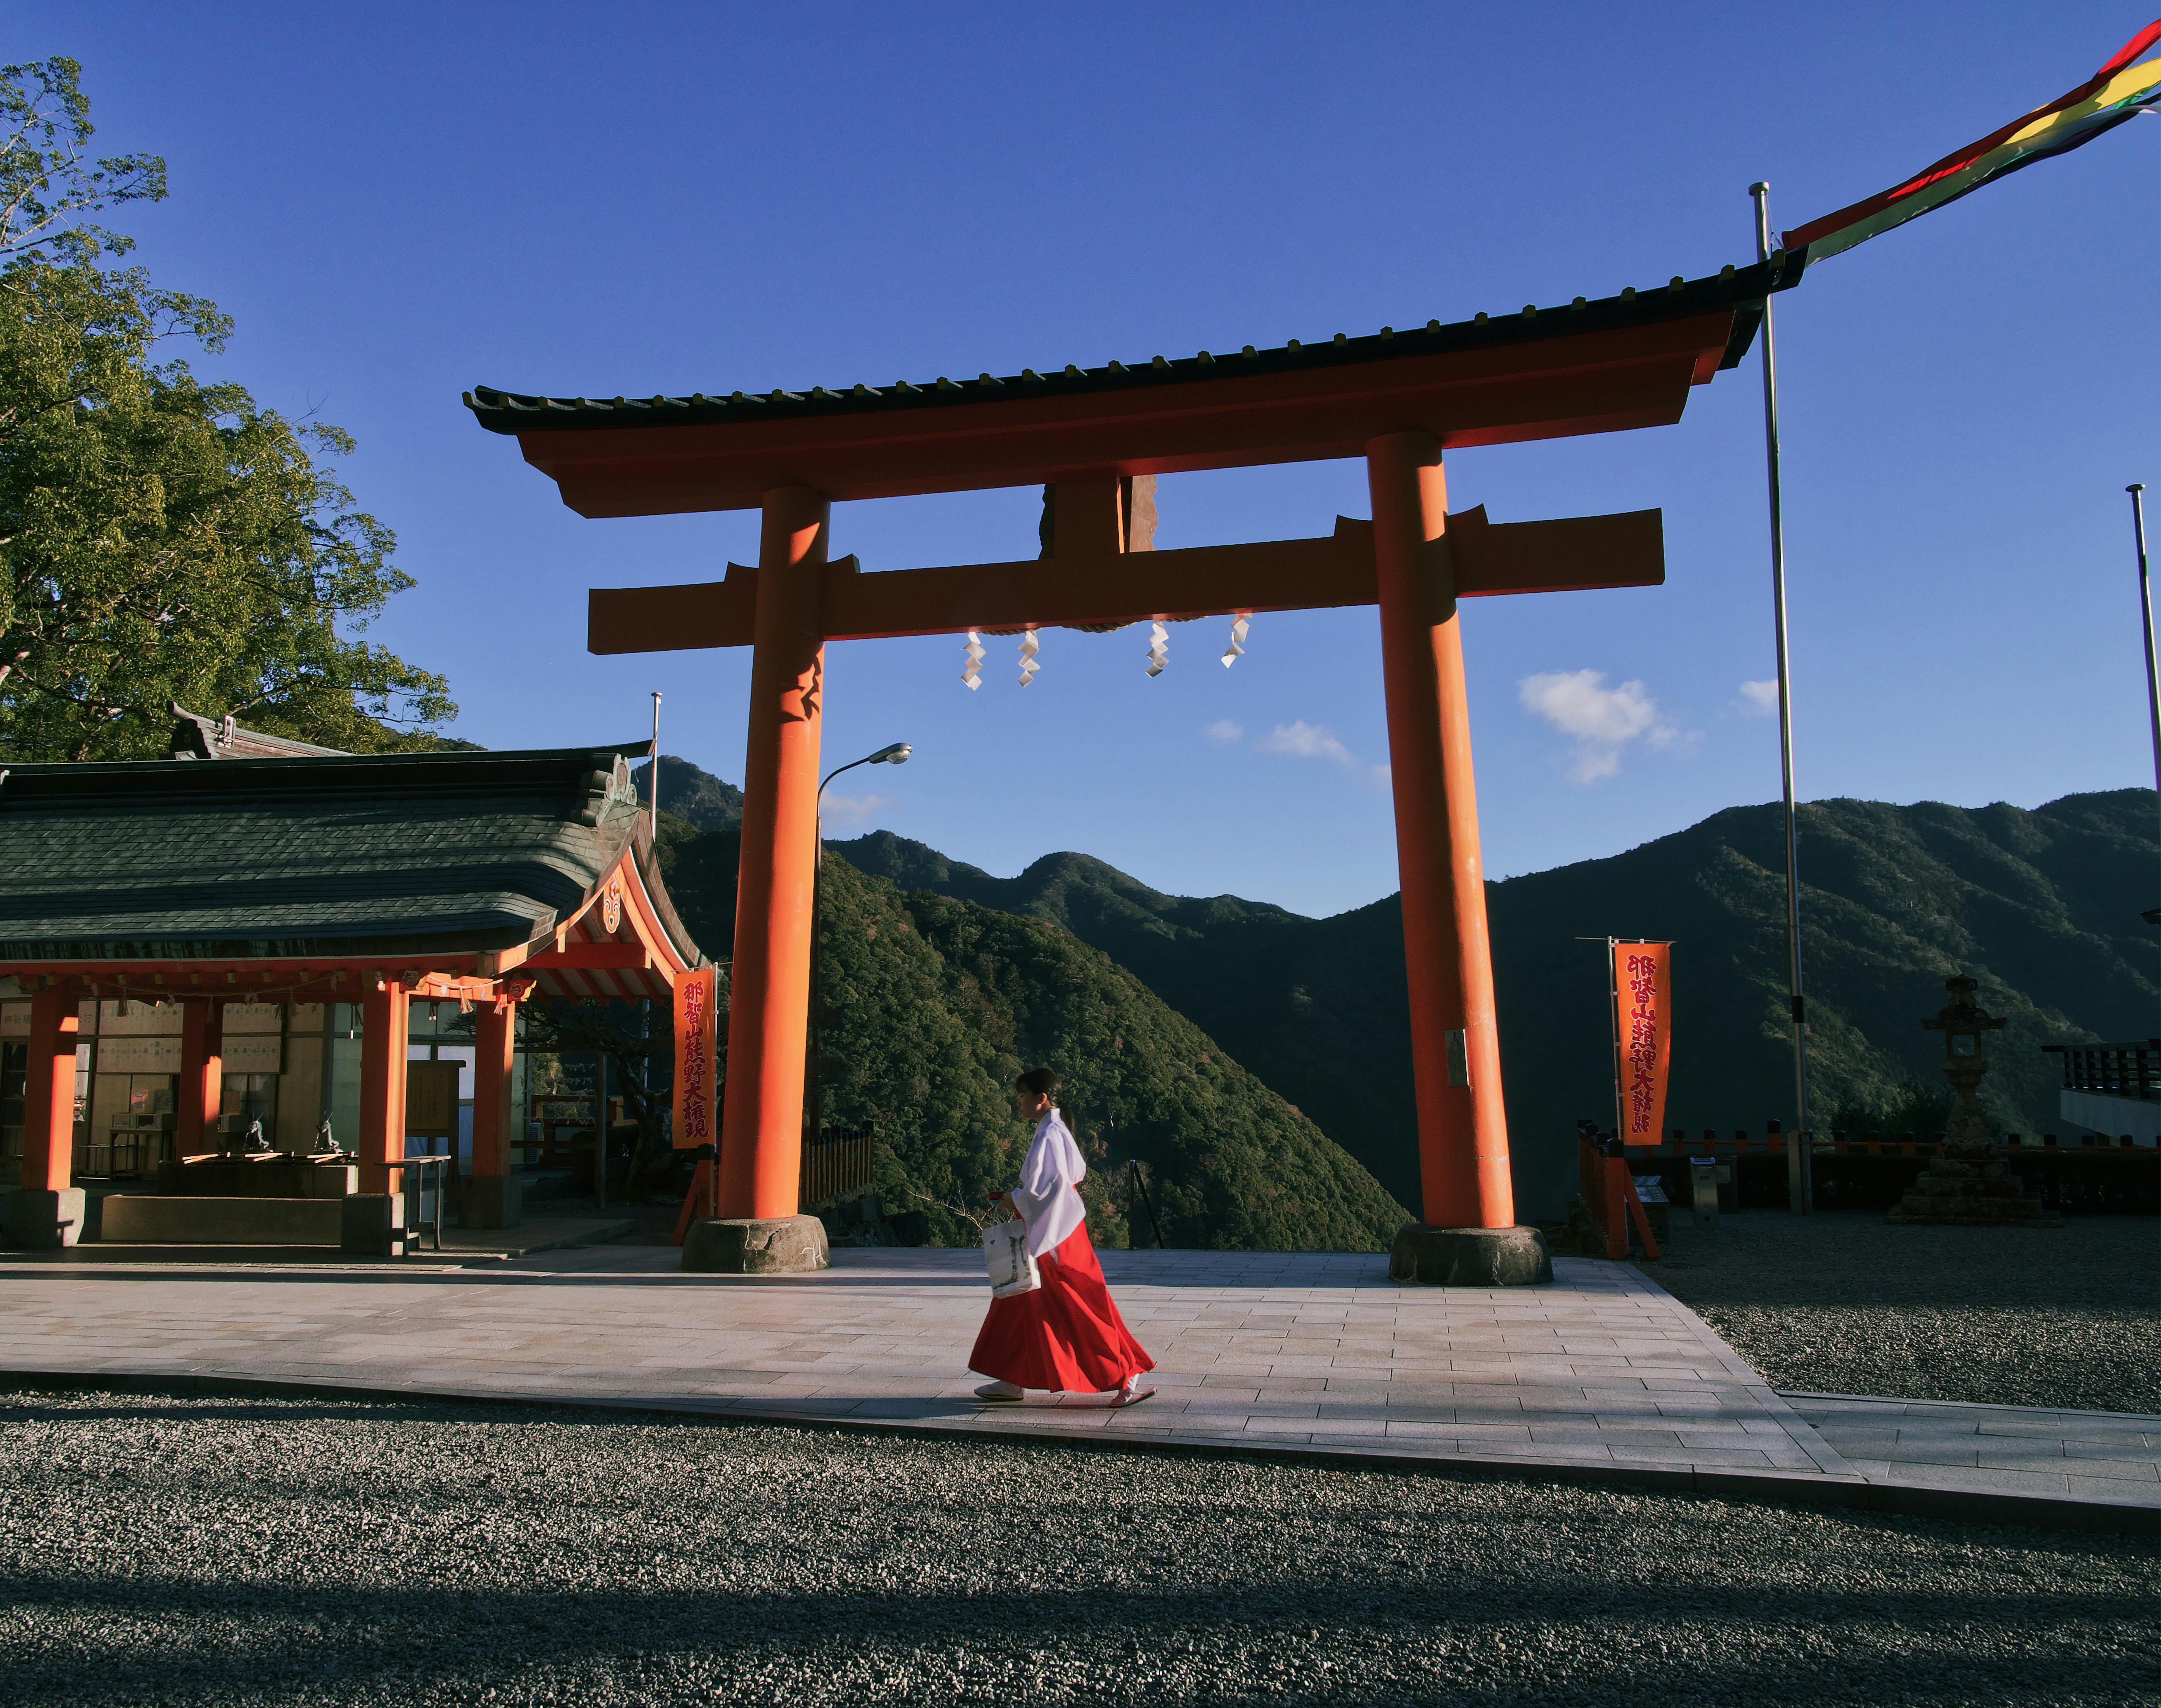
x=1316, y=1007
x=2042, y=907
x=931, y=1003
x=694, y=795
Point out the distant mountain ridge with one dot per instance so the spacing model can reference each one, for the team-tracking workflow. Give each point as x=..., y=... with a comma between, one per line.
x=694, y=795
x=2042, y=907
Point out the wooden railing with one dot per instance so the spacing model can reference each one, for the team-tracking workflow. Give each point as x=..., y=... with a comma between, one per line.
x=2112, y=1070
x=836, y=1166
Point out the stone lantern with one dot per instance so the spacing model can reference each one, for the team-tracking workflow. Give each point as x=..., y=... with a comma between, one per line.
x=1966, y=1186
x=1964, y=1022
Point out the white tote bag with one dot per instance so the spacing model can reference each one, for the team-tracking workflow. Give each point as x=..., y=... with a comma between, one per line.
x=1011, y=1263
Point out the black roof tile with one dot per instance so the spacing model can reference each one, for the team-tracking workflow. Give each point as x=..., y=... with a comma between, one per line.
x=327, y=857
x=1745, y=287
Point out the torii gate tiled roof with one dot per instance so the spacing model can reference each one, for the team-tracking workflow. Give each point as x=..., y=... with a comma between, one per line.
x=1615, y=363
x=486, y=862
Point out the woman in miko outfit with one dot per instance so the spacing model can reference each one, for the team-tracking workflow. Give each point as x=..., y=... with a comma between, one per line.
x=1065, y=1336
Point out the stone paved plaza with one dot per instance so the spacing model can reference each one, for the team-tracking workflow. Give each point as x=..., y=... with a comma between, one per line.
x=1602, y=1373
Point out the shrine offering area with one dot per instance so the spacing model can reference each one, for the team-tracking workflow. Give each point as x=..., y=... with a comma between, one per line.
x=245, y=1551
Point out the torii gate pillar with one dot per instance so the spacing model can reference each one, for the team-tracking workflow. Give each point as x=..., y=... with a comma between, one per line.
x=1456, y=1050
x=769, y=986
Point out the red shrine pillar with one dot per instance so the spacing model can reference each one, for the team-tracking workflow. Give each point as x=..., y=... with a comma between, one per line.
x=384, y=1033
x=46, y=1210
x=1456, y=1050
x=48, y=1093
x=492, y=1198
x=202, y=1092
x=769, y=986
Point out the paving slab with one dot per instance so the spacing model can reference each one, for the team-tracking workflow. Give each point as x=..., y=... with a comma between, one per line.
x=1600, y=1374
x=2113, y=1457
x=461, y=1246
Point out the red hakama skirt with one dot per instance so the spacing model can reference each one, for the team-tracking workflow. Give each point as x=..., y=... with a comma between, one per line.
x=1065, y=1336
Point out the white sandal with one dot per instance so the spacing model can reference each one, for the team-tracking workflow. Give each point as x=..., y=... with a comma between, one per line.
x=1003, y=1392
x=1131, y=1393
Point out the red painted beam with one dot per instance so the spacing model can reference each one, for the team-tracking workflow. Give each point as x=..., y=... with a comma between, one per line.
x=1566, y=554
x=208, y=978
x=590, y=957
x=1625, y=550
x=311, y=984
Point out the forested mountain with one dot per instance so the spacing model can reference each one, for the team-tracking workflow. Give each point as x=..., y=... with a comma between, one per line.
x=930, y=1004
x=2042, y=907
x=1315, y=1006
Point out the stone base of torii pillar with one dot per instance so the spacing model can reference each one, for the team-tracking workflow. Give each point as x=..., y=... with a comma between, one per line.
x=1469, y=1257
x=757, y=1245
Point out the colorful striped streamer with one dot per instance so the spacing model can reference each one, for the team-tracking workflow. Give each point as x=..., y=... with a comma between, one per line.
x=2117, y=93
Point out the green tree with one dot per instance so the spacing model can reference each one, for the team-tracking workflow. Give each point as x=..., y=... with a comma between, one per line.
x=162, y=538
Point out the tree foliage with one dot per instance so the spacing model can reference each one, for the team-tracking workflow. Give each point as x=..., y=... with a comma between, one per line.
x=162, y=538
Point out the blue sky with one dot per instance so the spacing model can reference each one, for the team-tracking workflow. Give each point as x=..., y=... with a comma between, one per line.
x=396, y=202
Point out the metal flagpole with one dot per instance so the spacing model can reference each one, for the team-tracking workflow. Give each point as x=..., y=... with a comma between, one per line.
x=1799, y=1170
x=2137, y=491
x=655, y=790
x=1613, y=1007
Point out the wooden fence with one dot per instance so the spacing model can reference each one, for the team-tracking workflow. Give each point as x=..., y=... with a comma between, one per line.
x=836, y=1166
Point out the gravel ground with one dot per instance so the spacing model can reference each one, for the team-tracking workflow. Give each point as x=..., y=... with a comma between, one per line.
x=1840, y=1302
x=247, y=1551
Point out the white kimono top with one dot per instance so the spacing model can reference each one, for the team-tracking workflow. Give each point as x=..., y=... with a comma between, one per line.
x=1048, y=1196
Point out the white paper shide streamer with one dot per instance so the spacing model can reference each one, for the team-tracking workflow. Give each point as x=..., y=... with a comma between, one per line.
x=1237, y=649
x=1158, y=652
x=971, y=672
x=1028, y=649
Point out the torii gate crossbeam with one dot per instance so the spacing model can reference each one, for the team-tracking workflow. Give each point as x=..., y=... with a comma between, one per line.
x=1398, y=400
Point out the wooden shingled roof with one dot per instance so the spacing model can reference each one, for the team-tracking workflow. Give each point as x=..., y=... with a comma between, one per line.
x=483, y=859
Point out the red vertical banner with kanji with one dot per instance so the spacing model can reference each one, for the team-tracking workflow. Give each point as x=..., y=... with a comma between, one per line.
x=696, y=1057
x=1643, y=1036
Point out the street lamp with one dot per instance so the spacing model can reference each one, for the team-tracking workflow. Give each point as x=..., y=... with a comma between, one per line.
x=895, y=754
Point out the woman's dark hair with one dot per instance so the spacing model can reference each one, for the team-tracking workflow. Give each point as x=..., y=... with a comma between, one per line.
x=1038, y=1082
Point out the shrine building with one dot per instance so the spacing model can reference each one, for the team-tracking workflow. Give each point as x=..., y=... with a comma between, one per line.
x=191, y=948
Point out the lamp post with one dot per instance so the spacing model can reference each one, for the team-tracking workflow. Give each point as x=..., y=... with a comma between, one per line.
x=813, y=1100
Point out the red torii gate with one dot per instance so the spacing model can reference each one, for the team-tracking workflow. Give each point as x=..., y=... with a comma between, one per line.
x=1398, y=400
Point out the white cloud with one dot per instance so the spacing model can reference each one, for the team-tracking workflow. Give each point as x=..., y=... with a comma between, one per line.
x=1759, y=698
x=856, y=809
x=1223, y=729
x=1300, y=740
x=1304, y=741
x=1602, y=720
